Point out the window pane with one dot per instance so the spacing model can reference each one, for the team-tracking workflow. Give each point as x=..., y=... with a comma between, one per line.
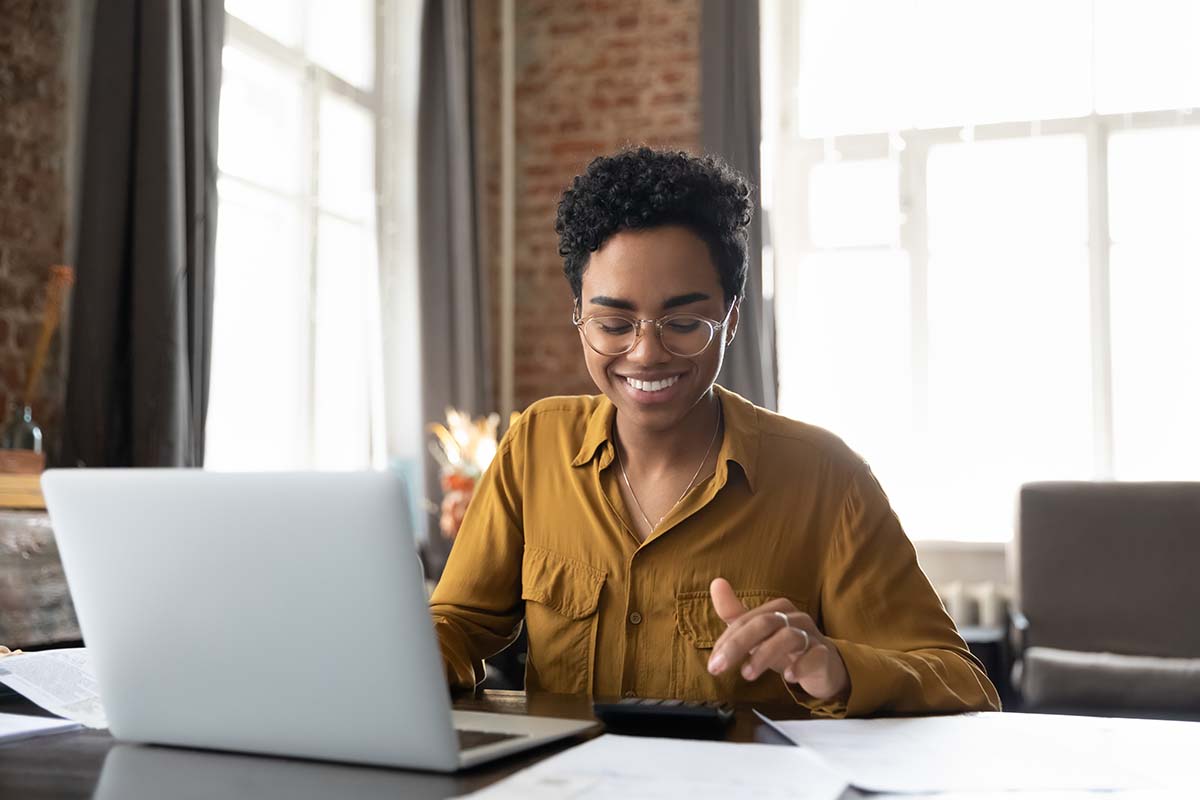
x=1154, y=185
x=1009, y=384
x=853, y=76
x=261, y=121
x=1019, y=195
x=1156, y=362
x=880, y=65
x=845, y=361
x=342, y=400
x=1009, y=330
x=854, y=203
x=1154, y=191
x=341, y=38
x=1000, y=61
x=282, y=20
x=257, y=408
x=1146, y=55
x=346, y=178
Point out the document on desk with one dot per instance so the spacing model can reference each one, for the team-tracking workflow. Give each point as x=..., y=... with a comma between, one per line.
x=14, y=727
x=994, y=752
x=60, y=681
x=622, y=767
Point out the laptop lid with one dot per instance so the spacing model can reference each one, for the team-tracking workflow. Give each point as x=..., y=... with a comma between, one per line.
x=279, y=613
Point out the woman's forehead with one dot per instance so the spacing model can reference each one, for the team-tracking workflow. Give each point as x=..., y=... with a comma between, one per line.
x=650, y=267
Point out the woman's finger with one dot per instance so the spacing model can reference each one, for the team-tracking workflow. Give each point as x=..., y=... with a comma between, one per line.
x=725, y=601
x=778, y=604
x=778, y=652
x=735, y=644
x=820, y=672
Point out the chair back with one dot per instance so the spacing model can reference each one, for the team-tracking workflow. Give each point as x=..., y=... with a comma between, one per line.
x=1110, y=567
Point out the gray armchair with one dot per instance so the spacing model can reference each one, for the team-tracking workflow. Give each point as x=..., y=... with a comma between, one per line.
x=1108, y=598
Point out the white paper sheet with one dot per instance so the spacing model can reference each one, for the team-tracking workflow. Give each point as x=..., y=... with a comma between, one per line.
x=60, y=681
x=642, y=768
x=995, y=752
x=14, y=727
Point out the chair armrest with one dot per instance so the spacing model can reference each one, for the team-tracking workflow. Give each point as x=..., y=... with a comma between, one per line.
x=1018, y=626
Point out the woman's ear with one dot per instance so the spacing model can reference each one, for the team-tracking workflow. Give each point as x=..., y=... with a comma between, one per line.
x=731, y=327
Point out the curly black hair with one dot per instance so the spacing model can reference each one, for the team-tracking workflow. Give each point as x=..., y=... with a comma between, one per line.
x=645, y=188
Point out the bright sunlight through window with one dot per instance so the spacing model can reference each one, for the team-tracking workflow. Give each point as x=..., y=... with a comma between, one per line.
x=982, y=225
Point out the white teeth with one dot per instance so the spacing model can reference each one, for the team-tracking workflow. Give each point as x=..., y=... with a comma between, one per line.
x=652, y=386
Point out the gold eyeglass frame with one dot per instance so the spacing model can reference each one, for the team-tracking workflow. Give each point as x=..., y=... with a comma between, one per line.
x=716, y=327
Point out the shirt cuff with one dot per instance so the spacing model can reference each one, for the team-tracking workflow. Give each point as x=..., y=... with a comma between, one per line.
x=867, y=692
x=462, y=672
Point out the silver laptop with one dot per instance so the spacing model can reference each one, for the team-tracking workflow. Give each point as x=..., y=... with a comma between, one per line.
x=269, y=613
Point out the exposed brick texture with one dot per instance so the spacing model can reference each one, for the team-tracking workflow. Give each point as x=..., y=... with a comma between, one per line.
x=592, y=76
x=33, y=203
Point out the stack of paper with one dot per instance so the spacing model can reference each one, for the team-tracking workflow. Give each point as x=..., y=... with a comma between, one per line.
x=60, y=681
x=14, y=727
x=999, y=752
x=623, y=767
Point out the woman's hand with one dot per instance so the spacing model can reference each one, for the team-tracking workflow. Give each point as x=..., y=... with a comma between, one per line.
x=758, y=640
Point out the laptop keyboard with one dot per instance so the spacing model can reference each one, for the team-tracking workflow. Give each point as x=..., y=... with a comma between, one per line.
x=469, y=739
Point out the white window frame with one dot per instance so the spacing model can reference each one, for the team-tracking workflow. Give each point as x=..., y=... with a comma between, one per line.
x=912, y=160
x=317, y=81
x=783, y=145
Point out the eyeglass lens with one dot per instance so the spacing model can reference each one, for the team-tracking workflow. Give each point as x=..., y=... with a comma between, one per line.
x=683, y=335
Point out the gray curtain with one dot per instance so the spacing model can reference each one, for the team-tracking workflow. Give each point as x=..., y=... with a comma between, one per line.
x=137, y=390
x=731, y=127
x=454, y=364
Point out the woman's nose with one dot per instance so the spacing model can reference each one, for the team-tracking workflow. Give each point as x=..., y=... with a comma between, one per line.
x=649, y=348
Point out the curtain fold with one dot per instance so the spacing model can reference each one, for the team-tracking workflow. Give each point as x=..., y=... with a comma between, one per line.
x=455, y=370
x=141, y=327
x=731, y=127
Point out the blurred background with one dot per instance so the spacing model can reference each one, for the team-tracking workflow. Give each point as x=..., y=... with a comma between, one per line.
x=977, y=257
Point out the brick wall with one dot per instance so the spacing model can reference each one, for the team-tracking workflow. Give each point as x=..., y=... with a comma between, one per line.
x=592, y=76
x=33, y=196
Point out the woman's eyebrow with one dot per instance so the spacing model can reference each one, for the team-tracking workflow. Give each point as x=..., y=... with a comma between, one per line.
x=685, y=299
x=611, y=302
x=674, y=302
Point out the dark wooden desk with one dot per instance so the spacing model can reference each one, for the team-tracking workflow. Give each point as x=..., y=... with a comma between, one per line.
x=70, y=765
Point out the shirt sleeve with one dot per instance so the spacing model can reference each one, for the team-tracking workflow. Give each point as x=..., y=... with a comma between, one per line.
x=901, y=650
x=476, y=606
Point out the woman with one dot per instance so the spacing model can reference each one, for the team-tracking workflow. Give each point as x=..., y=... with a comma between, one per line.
x=667, y=538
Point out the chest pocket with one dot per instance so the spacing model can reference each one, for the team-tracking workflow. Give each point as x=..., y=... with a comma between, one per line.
x=697, y=628
x=561, y=599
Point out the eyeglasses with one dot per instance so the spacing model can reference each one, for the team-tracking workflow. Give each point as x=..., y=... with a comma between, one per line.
x=684, y=335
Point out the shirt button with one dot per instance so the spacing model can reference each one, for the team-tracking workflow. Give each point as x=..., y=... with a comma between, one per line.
x=635, y=618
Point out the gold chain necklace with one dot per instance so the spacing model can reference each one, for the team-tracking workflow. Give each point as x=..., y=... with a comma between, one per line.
x=691, y=483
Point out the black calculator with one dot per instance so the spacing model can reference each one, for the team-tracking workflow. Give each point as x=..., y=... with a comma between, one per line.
x=656, y=717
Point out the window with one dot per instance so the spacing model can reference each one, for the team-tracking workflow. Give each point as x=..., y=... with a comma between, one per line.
x=983, y=240
x=297, y=371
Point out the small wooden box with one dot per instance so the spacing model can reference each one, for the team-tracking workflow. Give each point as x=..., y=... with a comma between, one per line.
x=21, y=479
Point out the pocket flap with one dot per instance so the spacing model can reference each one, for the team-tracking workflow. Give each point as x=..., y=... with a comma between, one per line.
x=697, y=620
x=570, y=587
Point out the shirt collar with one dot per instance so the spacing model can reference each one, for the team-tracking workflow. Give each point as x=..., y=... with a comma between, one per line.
x=598, y=433
x=740, y=443
x=741, y=433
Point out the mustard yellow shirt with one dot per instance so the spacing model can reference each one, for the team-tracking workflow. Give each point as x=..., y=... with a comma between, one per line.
x=790, y=511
